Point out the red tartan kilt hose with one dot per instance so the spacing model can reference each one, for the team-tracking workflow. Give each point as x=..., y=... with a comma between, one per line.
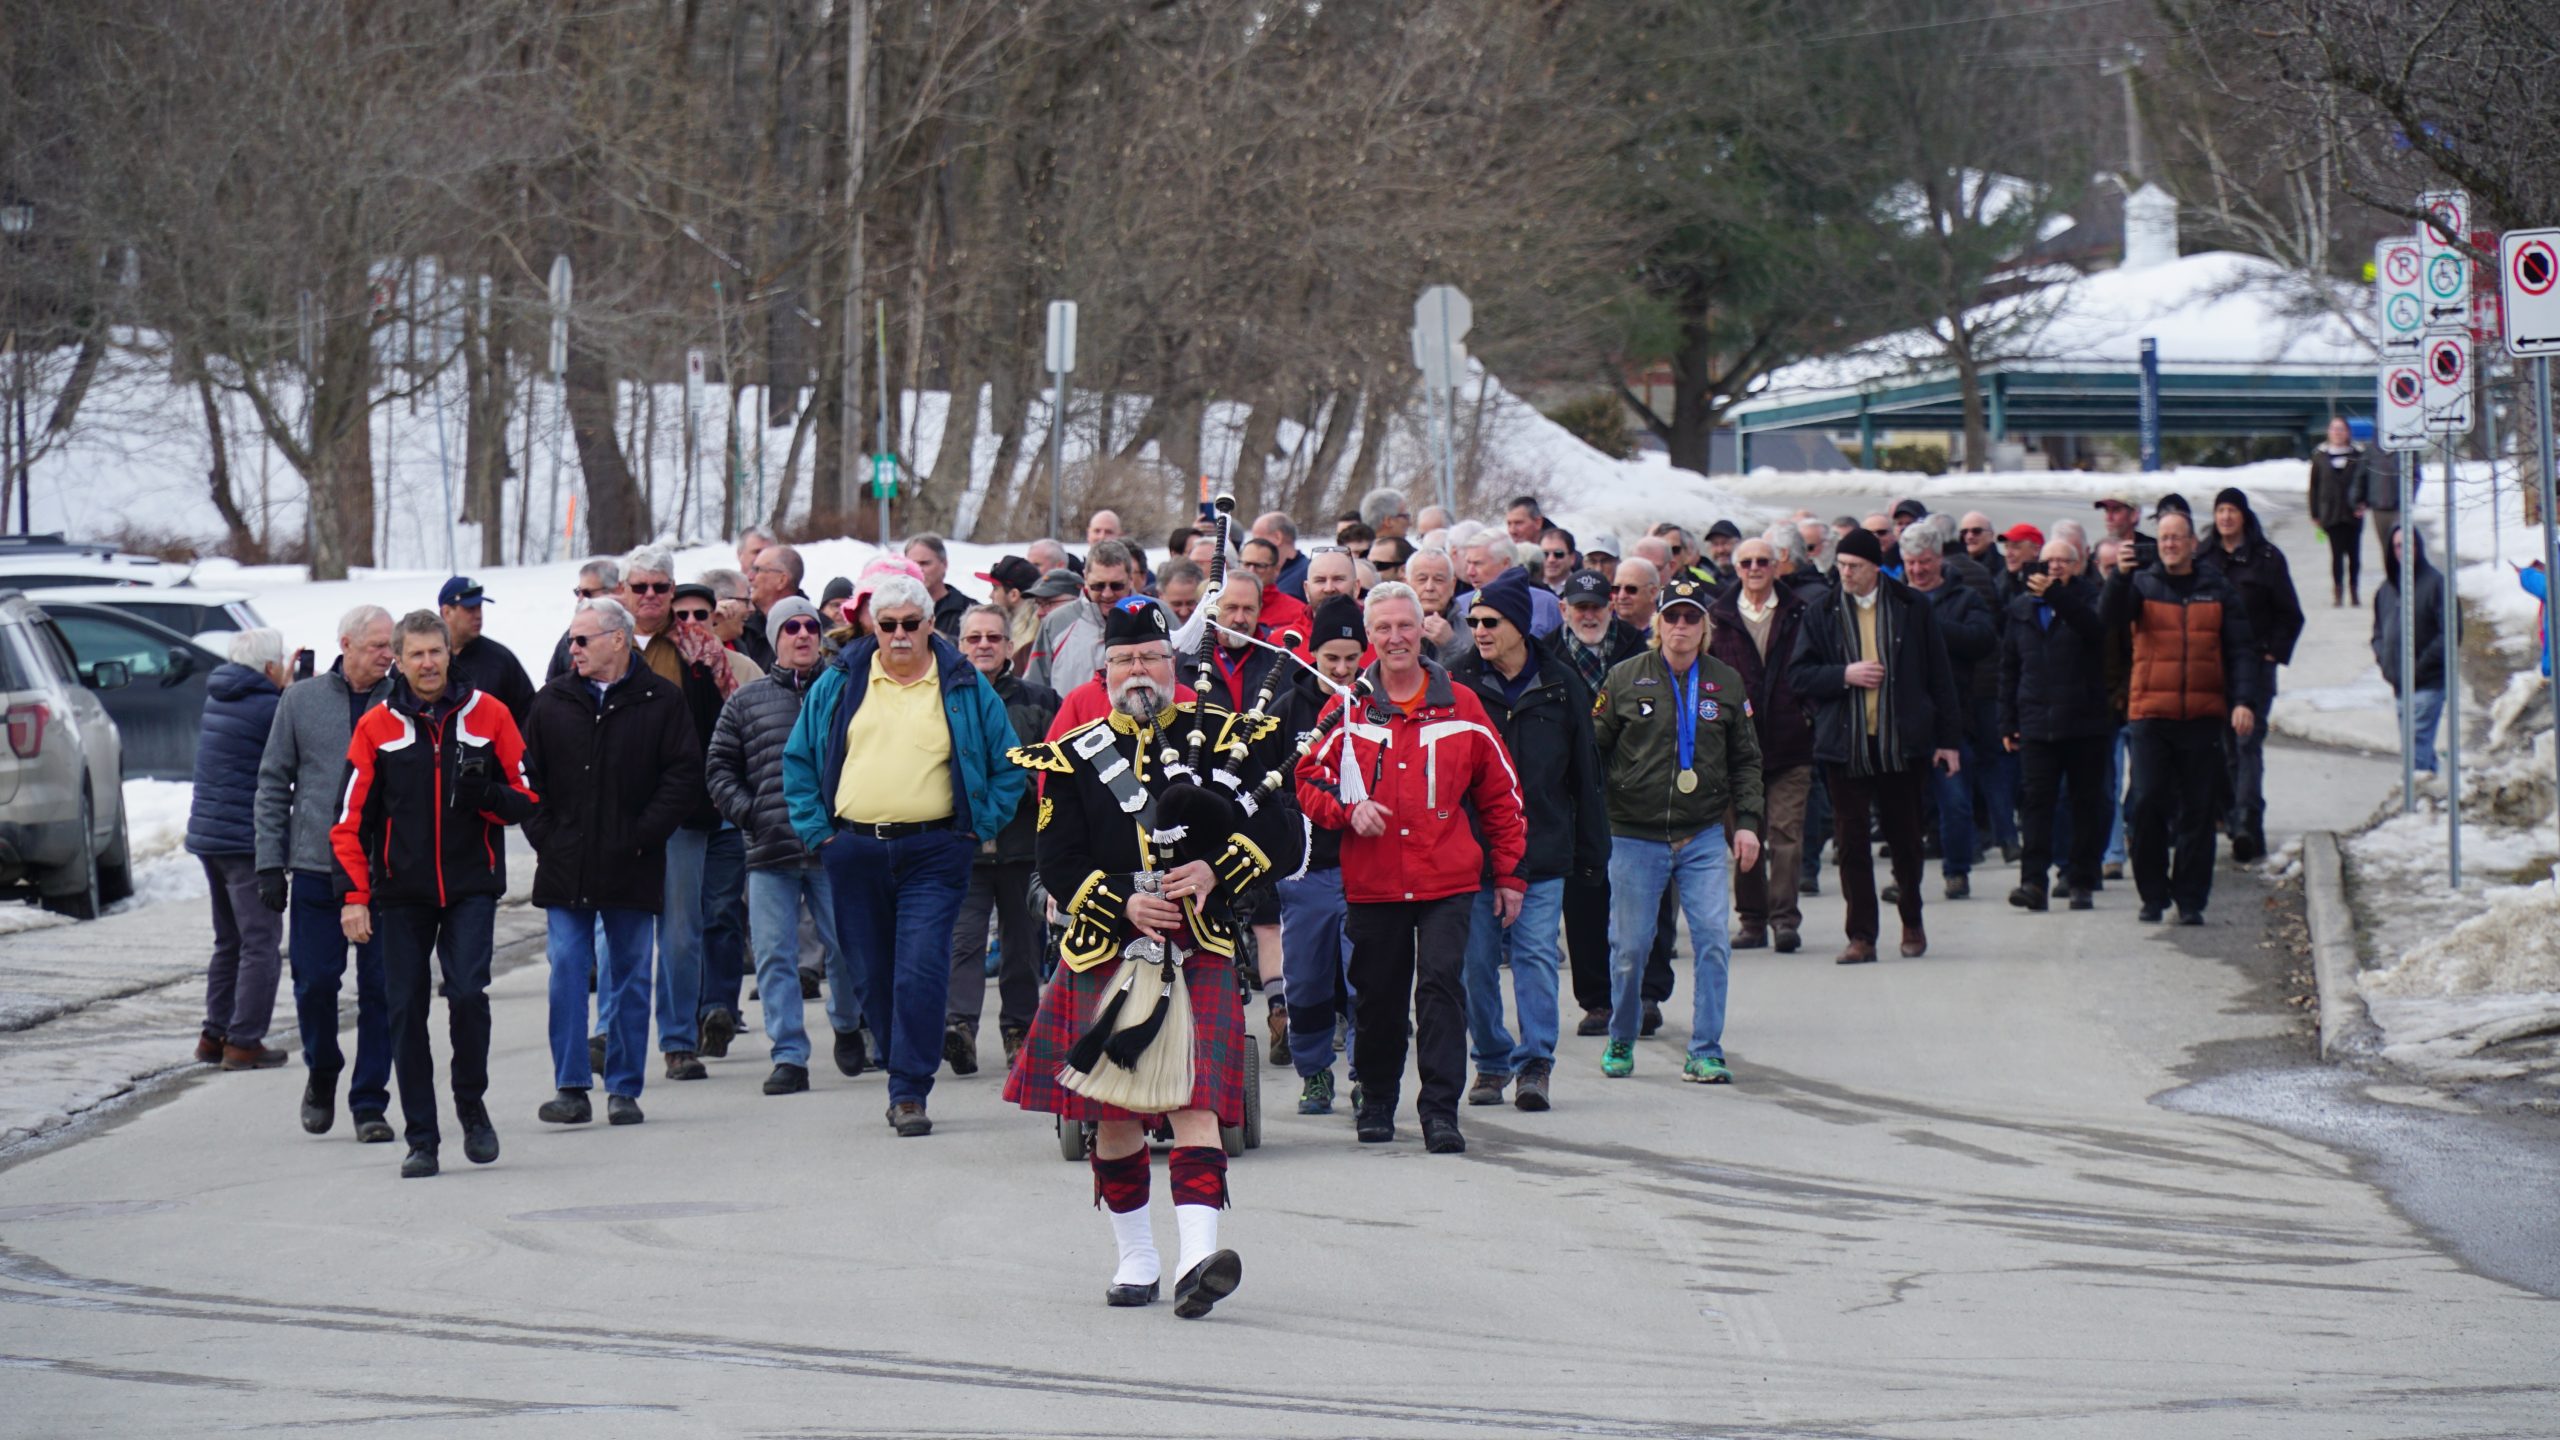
x=1067, y=1006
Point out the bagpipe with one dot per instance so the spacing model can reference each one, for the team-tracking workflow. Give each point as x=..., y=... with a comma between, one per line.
x=1137, y=1053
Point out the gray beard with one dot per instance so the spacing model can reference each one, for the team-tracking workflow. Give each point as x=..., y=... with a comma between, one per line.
x=1139, y=700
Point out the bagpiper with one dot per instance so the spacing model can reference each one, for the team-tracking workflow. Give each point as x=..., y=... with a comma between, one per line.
x=1151, y=820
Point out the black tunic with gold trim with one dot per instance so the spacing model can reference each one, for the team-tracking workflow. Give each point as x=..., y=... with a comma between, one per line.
x=1090, y=851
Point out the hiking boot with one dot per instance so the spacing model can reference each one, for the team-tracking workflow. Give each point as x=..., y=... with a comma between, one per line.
x=907, y=1117
x=1915, y=942
x=372, y=1129
x=1751, y=937
x=622, y=1110
x=1960, y=887
x=1375, y=1126
x=479, y=1137
x=1488, y=1089
x=1530, y=1093
x=1706, y=1070
x=419, y=1163
x=208, y=1049
x=569, y=1107
x=1279, y=1035
x=685, y=1065
x=787, y=1079
x=1441, y=1137
x=256, y=1055
x=319, y=1102
x=1785, y=940
x=960, y=1047
x=1012, y=1044
x=1618, y=1060
x=852, y=1056
x=2030, y=897
x=1857, y=952
x=1594, y=1022
x=1652, y=1019
x=1316, y=1096
x=718, y=1029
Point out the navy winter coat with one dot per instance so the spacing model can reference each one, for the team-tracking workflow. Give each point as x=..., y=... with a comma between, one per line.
x=239, y=710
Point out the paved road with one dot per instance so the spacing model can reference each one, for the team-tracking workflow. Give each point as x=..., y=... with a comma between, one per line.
x=1941, y=1203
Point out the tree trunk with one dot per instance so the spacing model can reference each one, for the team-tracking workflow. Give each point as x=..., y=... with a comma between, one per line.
x=939, y=505
x=1253, y=457
x=1178, y=435
x=789, y=487
x=1378, y=407
x=1690, y=441
x=1977, y=420
x=1011, y=403
x=340, y=478
x=617, y=516
x=1328, y=457
x=241, y=543
x=75, y=386
x=484, y=435
x=827, y=482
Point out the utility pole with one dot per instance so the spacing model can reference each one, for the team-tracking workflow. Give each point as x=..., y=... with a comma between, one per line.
x=2122, y=68
x=857, y=127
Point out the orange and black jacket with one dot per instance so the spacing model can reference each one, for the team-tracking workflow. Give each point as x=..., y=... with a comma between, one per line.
x=431, y=787
x=2194, y=657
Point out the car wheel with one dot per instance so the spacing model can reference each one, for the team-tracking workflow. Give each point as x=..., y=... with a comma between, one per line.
x=115, y=868
x=81, y=902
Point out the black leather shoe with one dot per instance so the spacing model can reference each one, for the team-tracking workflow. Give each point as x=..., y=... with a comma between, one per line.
x=372, y=1129
x=684, y=1065
x=419, y=1164
x=718, y=1029
x=1441, y=1137
x=2080, y=900
x=595, y=1053
x=852, y=1056
x=2190, y=917
x=622, y=1110
x=2150, y=914
x=569, y=1107
x=1652, y=1019
x=1375, y=1127
x=479, y=1137
x=2030, y=897
x=1129, y=1297
x=787, y=1079
x=319, y=1102
x=1205, y=1284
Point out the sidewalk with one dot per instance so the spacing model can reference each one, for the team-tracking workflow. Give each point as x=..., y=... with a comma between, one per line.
x=106, y=1012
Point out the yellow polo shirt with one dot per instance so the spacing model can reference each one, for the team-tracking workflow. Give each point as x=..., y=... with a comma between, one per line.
x=897, y=753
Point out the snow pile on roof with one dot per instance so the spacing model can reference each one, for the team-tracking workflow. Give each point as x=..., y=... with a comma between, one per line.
x=1989, y=194
x=2216, y=308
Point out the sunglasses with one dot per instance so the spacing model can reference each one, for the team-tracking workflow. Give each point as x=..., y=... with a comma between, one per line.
x=690, y=613
x=1682, y=615
x=652, y=587
x=581, y=642
x=1559, y=554
x=907, y=626
x=1626, y=589
x=1974, y=530
x=1483, y=622
x=1754, y=563
x=584, y=593
x=1100, y=588
x=801, y=625
x=1884, y=534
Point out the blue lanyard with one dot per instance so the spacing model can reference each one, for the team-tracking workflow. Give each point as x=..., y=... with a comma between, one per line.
x=1688, y=717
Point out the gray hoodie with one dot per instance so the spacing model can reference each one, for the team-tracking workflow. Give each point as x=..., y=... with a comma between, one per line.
x=302, y=776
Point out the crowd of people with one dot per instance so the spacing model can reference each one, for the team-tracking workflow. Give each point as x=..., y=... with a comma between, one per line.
x=1494, y=750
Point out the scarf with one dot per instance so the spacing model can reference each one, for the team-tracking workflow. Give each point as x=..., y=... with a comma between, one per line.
x=699, y=647
x=1886, y=754
x=1588, y=662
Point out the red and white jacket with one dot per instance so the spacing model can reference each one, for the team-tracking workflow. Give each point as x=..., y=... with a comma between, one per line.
x=1430, y=768
x=403, y=835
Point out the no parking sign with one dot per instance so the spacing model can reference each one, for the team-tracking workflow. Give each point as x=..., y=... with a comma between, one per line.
x=2446, y=396
x=2529, y=291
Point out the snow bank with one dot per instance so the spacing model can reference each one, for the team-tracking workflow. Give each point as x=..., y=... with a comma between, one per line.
x=2513, y=946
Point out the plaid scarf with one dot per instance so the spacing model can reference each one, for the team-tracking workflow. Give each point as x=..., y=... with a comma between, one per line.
x=1589, y=663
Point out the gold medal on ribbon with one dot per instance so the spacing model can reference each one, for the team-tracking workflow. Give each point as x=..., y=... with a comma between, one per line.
x=1688, y=781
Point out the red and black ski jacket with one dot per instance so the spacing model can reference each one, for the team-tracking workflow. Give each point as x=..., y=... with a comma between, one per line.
x=431, y=786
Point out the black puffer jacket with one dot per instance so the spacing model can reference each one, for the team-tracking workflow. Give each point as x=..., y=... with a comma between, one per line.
x=2265, y=582
x=743, y=767
x=1030, y=707
x=1558, y=763
x=1969, y=631
x=615, y=780
x=1785, y=723
x=1923, y=710
x=2053, y=666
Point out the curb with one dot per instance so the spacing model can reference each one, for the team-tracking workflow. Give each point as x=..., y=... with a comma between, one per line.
x=2345, y=1028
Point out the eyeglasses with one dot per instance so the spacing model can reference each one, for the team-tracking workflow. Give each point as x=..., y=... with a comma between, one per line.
x=907, y=626
x=976, y=640
x=1559, y=554
x=1483, y=622
x=691, y=613
x=652, y=587
x=801, y=625
x=769, y=570
x=1975, y=530
x=1626, y=589
x=1100, y=588
x=583, y=593
x=581, y=642
x=1753, y=562
x=1133, y=662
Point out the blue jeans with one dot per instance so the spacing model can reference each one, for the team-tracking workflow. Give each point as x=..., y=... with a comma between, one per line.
x=724, y=919
x=317, y=951
x=2115, y=800
x=611, y=947
x=1639, y=872
x=679, y=945
x=896, y=901
x=1995, y=779
x=1315, y=964
x=1532, y=941
x=774, y=901
x=2430, y=715
x=1956, y=838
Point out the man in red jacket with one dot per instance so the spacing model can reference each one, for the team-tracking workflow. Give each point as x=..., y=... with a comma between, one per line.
x=435, y=774
x=1399, y=776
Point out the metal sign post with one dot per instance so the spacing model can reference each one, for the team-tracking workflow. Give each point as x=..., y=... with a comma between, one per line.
x=1441, y=318
x=2148, y=403
x=561, y=280
x=2550, y=537
x=2529, y=317
x=2448, y=401
x=1061, y=357
x=2409, y=463
x=2452, y=726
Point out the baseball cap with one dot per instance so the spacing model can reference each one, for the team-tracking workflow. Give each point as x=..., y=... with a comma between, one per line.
x=2023, y=531
x=1013, y=572
x=1584, y=587
x=464, y=591
x=1603, y=543
x=2173, y=502
x=1909, y=507
x=2120, y=497
x=1684, y=591
x=1724, y=530
x=1055, y=584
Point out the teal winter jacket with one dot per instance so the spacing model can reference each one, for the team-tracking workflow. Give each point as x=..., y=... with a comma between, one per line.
x=985, y=790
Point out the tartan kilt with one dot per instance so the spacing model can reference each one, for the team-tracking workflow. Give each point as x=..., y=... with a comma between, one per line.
x=1067, y=1006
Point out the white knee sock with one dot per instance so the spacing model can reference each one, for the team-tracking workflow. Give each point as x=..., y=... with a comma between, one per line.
x=1199, y=1226
x=1139, y=1263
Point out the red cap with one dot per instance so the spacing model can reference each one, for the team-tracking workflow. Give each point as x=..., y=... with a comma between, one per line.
x=2023, y=531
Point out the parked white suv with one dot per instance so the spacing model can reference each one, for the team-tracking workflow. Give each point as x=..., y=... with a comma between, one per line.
x=62, y=820
x=29, y=562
